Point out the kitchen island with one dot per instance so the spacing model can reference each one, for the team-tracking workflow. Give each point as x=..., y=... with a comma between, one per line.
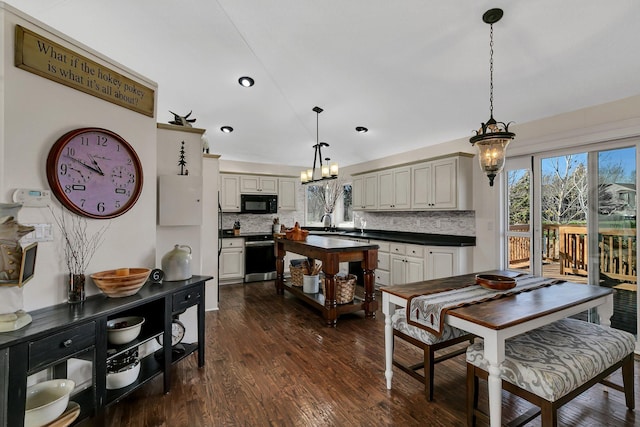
x=331, y=252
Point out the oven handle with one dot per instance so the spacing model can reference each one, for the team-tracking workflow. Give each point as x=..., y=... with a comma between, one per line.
x=254, y=244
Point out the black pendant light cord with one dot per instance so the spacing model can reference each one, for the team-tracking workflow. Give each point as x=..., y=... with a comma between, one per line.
x=491, y=71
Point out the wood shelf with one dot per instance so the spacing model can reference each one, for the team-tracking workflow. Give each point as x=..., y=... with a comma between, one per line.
x=62, y=332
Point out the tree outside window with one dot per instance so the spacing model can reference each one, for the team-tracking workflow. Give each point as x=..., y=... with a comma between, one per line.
x=334, y=197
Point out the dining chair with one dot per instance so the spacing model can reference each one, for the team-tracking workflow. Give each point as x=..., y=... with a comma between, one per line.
x=429, y=344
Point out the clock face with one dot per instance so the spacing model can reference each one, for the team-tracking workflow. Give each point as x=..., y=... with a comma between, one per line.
x=94, y=172
x=177, y=333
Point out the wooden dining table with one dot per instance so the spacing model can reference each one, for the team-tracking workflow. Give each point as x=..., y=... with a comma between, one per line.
x=498, y=319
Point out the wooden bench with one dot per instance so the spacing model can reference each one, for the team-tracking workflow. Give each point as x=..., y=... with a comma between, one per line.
x=552, y=365
x=429, y=344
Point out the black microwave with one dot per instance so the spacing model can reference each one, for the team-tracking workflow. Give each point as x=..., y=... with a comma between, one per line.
x=259, y=203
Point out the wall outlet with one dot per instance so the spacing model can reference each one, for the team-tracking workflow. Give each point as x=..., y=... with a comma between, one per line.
x=438, y=224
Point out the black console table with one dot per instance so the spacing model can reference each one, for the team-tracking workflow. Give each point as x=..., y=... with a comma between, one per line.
x=79, y=331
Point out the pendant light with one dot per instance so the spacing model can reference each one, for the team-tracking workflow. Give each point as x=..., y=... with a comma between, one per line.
x=327, y=170
x=493, y=137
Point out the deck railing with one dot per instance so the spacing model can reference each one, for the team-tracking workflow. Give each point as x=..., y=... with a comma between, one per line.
x=569, y=245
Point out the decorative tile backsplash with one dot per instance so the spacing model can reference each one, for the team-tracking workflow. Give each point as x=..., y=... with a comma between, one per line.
x=457, y=223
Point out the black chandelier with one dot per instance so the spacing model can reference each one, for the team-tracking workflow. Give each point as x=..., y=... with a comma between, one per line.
x=327, y=170
x=493, y=137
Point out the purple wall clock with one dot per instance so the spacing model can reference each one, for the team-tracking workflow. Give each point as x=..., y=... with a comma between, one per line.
x=95, y=173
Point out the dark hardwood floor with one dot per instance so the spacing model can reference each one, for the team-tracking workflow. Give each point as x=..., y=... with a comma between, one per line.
x=270, y=361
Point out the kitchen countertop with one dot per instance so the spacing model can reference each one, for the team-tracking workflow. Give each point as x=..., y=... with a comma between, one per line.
x=385, y=235
x=400, y=236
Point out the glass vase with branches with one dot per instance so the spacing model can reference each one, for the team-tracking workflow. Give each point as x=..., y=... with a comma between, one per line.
x=79, y=247
x=328, y=196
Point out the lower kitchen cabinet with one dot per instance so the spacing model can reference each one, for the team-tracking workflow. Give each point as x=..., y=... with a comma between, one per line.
x=443, y=261
x=407, y=263
x=232, y=260
x=384, y=263
x=63, y=332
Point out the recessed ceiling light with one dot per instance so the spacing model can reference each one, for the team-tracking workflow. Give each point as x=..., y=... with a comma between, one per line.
x=226, y=129
x=246, y=81
x=361, y=129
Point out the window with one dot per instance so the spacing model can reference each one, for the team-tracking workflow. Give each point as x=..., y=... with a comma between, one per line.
x=333, y=195
x=315, y=206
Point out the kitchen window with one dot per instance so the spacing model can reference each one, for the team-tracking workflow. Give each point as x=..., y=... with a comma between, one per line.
x=315, y=197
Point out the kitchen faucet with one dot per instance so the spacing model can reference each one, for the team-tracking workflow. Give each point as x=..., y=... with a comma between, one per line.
x=326, y=220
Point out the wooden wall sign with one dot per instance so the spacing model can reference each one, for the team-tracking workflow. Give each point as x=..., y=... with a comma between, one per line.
x=50, y=60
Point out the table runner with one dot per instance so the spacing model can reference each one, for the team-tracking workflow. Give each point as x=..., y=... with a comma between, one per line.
x=427, y=311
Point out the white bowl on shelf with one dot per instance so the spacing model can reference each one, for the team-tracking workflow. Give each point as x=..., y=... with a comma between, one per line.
x=46, y=401
x=124, y=377
x=124, y=329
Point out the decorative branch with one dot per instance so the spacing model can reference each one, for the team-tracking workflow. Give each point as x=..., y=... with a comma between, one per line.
x=330, y=194
x=79, y=246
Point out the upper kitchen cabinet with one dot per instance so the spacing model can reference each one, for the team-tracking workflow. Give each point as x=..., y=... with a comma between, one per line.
x=287, y=194
x=230, y=193
x=255, y=184
x=437, y=184
x=442, y=184
x=394, y=189
x=233, y=185
x=365, y=191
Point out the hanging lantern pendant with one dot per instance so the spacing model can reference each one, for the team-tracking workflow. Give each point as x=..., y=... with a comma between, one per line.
x=493, y=137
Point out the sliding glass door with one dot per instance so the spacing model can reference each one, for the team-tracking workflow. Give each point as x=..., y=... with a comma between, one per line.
x=519, y=228
x=572, y=216
x=615, y=259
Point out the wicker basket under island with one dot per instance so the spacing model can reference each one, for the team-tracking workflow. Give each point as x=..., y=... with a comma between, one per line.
x=300, y=268
x=345, y=288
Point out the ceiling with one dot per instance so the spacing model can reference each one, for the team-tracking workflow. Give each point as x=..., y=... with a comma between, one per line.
x=415, y=72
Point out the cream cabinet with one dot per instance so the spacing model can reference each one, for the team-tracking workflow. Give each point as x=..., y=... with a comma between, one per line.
x=179, y=200
x=230, y=193
x=232, y=260
x=394, y=189
x=287, y=194
x=256, y=184
x=407, y=263
x=447, y=261
x=442, y=184
x=384, y=264
x=233, y=185
x=365, y=192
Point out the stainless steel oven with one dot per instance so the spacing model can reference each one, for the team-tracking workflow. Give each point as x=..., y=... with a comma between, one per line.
x=259, y=258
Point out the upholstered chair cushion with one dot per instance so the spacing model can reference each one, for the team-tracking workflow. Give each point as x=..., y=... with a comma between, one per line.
x=399, y=322
x=555, y=359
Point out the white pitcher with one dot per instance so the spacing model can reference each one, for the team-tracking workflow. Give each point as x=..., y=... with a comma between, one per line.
x=176, y=263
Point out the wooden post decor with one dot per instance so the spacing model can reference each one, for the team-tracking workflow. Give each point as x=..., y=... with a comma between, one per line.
x=50, y=60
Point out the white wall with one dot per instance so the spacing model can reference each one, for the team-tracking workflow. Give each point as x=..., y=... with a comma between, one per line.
x=169, y=142
x=598, y=124
x=209, y=236
x=35, y=112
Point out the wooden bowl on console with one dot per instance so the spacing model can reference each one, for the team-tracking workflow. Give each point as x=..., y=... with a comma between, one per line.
x=495, y=282
x=122, y=282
